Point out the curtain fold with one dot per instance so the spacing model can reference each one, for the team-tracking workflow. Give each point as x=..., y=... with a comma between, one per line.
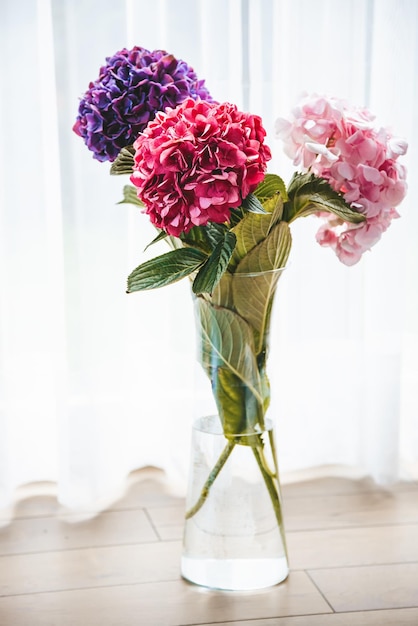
x=95, y=383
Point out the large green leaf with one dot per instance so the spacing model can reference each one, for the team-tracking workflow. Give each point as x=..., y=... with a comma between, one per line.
x=165, y=269
x=270, y=254
x=252, y=229
x=227, y=343
x=309, y=194
x=124, y=162
x=222, y=294
x=130, y=196
x=212, y=270
x=238, y=408
x=271, y=186
x=255, y=280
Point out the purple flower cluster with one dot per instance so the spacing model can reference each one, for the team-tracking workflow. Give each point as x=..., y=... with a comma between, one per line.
x=132, y=87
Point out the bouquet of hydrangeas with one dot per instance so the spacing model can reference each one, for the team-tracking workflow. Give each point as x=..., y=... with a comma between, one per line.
x=198, y=170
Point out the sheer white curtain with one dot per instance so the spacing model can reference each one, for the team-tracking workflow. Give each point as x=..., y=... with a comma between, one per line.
x=95, y=383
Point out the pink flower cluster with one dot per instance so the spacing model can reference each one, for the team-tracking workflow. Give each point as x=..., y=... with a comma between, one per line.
x=195, y=162
x=342, y=145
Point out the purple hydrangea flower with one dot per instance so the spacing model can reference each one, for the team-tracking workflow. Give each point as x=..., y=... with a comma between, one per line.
x=132, y=87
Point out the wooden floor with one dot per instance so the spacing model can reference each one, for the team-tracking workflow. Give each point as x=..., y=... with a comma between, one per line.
x=353, y=550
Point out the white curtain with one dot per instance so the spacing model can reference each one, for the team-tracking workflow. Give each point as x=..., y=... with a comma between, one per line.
x=95, y=383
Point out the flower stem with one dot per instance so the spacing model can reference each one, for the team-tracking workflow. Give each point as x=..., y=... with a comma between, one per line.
x=273, y=490
x=211, y=479
x=274, y=455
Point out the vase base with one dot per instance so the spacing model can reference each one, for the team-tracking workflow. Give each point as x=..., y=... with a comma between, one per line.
x=234, y=574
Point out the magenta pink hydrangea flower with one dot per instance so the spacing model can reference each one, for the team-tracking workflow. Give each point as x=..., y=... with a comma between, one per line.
x=196, y=162
x=342, y=145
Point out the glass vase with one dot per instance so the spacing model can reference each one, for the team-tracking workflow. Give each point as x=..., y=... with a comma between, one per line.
x=234, y=536
x=235, y=539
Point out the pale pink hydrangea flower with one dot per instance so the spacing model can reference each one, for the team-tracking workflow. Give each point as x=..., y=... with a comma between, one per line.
x=343, y=145
x=196, y=162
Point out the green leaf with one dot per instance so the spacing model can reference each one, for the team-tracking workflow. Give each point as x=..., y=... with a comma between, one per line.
x=270, y=254
x=160, y=237
x=130, y=196
x=265, y=386
x=165, y=269
x=252, y=229
x=253, y=294
x=236, y=216
x=276, y=210
x=271, y=186
x=222, y=294
x=212, y=270
x=309, y=194
x=124, y=162
x=214, y=233
x=227, y=343
x=252, y=204
x=196, y=238
x=238, y=408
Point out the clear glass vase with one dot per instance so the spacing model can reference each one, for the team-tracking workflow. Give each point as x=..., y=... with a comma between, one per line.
x=234, y=535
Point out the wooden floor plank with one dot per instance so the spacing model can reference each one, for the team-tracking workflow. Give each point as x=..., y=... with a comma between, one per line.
x=168, y=520
x=354, y=509
x=353, y=546
x=395, y=617
x=173, y=603
x=338, y=485
x=373, y=587
x=41, y=534
x=92, y=567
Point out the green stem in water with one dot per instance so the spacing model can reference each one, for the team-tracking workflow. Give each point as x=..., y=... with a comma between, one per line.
x=273, y=491
x=211, y=479
x=265, y=464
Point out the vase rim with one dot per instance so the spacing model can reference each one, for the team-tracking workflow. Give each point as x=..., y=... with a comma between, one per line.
x=212, y=425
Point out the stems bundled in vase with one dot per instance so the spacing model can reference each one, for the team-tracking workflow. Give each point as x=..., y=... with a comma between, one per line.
x=233, y=336
x=198, y=170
